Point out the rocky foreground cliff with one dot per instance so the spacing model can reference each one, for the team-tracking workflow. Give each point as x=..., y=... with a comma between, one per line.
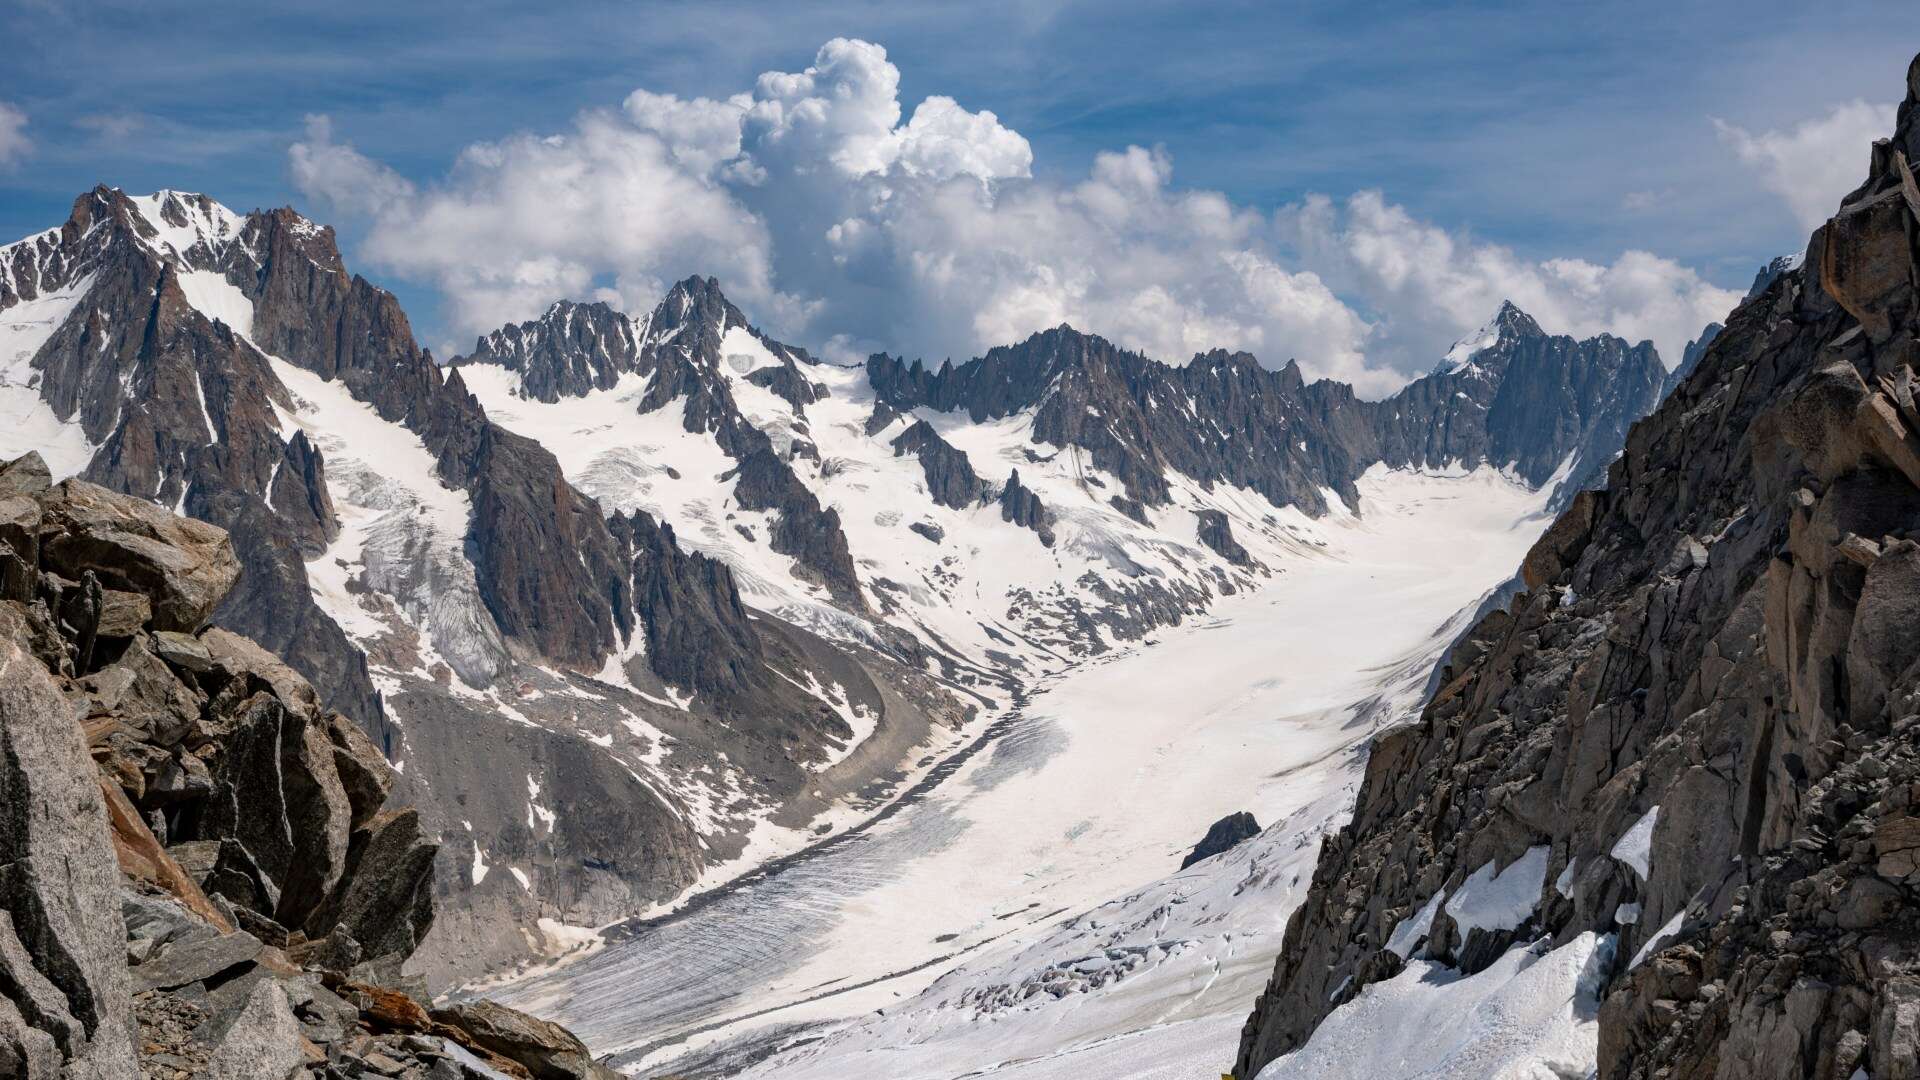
x=200, y=873
x=1693, y=743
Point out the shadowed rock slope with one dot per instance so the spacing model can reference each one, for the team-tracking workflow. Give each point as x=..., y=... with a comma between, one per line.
x=1704, y=711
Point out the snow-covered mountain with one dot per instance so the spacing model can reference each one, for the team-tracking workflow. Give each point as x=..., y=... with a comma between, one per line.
x=635, y=599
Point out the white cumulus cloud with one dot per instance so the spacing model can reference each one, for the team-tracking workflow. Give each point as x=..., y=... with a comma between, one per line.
x=1429, y=285
x=1813, y=164
x=340, y=177
x=843, y=222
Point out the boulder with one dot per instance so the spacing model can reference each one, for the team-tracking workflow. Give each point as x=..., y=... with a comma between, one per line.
x=363, y=770
x=240, y=657
x=196, y=960
x=1864, y=260
x=277, y=793
x=545, y=1049
x=385, y=899
x=183, y=566
x=123, y=614
x=256, y=1038
x=25, y=475
x=139, y=689
x=183, y=651
x=20, y=526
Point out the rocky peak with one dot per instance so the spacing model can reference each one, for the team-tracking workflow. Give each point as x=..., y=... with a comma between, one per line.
x=568, y=351
x=696, y=301
x=1480, y=353
x=1512, y=395
x=951, y=480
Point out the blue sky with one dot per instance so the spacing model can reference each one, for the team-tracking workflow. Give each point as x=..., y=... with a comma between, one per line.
x=1552, y=131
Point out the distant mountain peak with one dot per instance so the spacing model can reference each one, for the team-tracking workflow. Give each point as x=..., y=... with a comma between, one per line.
x=1508, y=324
x=1768, y=274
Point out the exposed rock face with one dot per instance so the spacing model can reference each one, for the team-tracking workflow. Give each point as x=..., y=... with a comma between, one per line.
x=174, y=362
x=951, y=480
x=802, y=527
x=1699, y=719
x=1022, y=507
x=547, y=1050
x=1217, y=533
x=264, y=899
x=1222, y=836
x=1137, y=418
x=697, y=632
x=570, y=350
x=182, y=407
x=682, y=345
x=232, y=367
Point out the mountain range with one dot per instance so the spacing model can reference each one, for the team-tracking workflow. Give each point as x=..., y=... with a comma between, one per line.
x=630, y=600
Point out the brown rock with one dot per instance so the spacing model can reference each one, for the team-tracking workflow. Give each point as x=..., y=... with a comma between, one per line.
x=183, y=566
x=1552, y=553
x=547, y=1050
x=241, y=657
x=123, y=614
x=1897, y=844
x=142, y=858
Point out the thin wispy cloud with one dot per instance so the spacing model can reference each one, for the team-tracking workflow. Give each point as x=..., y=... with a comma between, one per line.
x=14, y=144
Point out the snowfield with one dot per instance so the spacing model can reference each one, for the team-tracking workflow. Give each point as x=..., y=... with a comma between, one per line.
x=1024, y=917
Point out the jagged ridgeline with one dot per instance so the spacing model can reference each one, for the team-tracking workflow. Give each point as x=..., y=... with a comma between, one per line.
x=200, y=871
x=619, y=593
x=1679, y=773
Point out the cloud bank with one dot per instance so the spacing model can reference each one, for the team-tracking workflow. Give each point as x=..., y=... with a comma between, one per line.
x=840, y=222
